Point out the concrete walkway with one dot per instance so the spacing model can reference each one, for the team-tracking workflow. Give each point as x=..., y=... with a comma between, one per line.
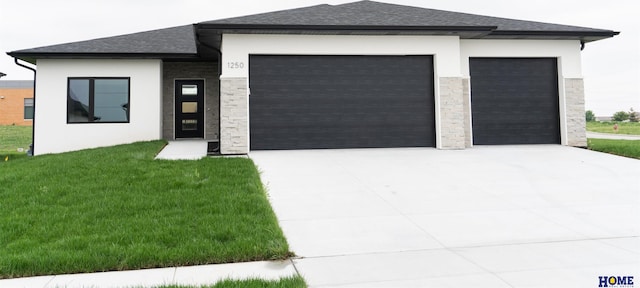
x=490, y=216
x=184, y=150
x=612, y=136
x=195, y=276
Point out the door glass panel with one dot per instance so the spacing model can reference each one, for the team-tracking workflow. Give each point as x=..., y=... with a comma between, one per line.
x=189, y=90
x=189, y=107
x=189, y=125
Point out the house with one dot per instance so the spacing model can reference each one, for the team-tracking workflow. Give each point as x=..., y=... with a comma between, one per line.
x=361, y=74
x=16, y=102
x=604, y=118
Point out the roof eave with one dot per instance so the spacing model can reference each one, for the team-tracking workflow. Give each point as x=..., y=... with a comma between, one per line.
x=339, y=27
x=584, y=36
x=466, y=32
x=325, y=29
x=32, y=56
x=461, y=31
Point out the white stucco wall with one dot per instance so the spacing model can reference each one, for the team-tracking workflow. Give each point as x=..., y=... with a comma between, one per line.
x=54, y=135
x=566, y=51
x=236, y=49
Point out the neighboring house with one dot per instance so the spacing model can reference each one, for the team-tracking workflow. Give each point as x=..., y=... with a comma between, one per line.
x=604, y=118
x=362, y=74
x=16, y=102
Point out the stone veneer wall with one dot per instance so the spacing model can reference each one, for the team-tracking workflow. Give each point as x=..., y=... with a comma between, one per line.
x=574, y=107
x=234, y=120
x=452, y=130
x=172, y=71
x=466, y=106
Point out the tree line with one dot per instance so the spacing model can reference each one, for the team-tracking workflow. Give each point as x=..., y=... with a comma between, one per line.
x=619, y=116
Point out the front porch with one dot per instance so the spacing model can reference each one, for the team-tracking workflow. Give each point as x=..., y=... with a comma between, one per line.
x=195, y=116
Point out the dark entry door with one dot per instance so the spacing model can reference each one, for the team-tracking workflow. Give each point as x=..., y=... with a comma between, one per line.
x=311, y=102
x=189, y=108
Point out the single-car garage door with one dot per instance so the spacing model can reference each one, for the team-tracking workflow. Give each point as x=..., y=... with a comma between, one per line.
x=308, y=102
x=514, y=101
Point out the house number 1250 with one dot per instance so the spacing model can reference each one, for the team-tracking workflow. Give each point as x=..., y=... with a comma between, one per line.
x=235, y=65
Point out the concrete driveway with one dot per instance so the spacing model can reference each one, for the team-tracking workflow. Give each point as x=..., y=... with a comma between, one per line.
x=490, y=216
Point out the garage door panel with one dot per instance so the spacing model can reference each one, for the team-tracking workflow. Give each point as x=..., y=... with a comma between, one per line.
x=345, y=137
x=355, y=120
x=305, y=102
x=514, y=101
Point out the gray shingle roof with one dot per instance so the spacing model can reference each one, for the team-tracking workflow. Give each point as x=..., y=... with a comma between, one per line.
x=363, y=17
x=178, y=41
x=376, y=14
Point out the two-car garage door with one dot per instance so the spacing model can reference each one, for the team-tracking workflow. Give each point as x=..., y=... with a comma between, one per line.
x=307, y=102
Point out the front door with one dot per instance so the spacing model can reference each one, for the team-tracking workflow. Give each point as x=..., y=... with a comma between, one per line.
x=189, y=108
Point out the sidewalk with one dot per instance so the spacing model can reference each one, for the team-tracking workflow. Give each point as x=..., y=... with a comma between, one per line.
x=612, y=136
x=193, y=276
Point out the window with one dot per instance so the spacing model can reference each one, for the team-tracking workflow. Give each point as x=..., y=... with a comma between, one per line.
x=28, y=108
x=98, y=100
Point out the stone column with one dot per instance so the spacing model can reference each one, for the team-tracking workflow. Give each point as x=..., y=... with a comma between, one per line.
x=574, y=107
x=452, y=118
x=466, y=106
x=234, y=116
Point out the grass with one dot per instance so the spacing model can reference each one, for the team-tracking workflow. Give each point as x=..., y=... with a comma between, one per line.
x=627, y=148
x=13, y=138
x=629, y=128
x=117, y=209
x=290, y=282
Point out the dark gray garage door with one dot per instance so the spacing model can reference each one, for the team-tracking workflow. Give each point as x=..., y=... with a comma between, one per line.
x=308, y=102
x=515, y=101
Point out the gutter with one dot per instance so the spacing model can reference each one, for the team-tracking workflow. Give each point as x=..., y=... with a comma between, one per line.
x=33, y=122
x=583, y=36
x=222, y=26
x=465, y=32
x=219, y=53
x=87, y=55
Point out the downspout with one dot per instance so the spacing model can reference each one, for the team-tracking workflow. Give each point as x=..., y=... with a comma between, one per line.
x=219, y=87
x=33, y=122
x=582, y=44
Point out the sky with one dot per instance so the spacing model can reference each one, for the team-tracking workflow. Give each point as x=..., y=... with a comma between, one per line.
x=611, y=67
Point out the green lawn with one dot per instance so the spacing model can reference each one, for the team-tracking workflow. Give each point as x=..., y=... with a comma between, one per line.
x=291, y=282
x=117, y=209
x=627, y=148
x=11, y=139
x=631, y=128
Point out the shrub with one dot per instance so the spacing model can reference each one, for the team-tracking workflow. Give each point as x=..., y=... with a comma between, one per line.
x=590, y=116
x=633, y=115
x=620, y=116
